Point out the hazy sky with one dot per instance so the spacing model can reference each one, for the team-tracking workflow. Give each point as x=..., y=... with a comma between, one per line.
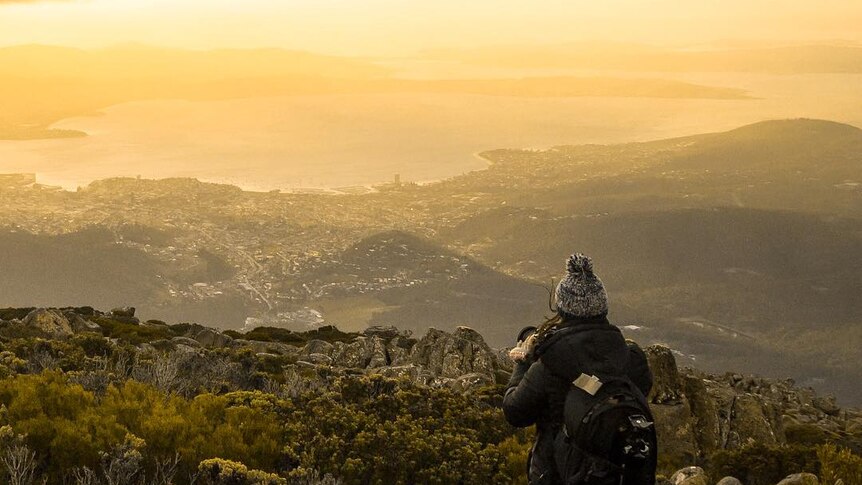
x=403, y=26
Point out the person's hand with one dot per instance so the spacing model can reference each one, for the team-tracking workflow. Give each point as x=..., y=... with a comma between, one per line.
x=524, y=348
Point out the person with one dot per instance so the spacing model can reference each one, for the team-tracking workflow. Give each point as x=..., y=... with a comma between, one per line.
x=578, y=341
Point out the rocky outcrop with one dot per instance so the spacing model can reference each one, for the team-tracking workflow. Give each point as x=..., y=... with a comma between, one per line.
x=364, y=352
x=461, y=360
x=51, y=322
x=696, y=413
x=453, y=355
x=667, y=383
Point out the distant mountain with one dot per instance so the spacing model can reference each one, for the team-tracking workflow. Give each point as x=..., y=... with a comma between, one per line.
x=40, y=85
x=804, y=165
x=822, y=58
x=820, y=146
x=89, y=266
x=73, y=269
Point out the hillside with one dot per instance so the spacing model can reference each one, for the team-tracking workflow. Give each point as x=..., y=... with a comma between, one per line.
x=746, y=240
x=396, y=278
x=325, y=406
x=73, y=268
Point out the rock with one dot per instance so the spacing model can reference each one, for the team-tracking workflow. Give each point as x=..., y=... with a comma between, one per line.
x=81, y=325
x=827, y=405
x=707, y=431
x=800, y=479
x=362, y=353
x=212, y=339
x=749, y=423
x=398, y=350
x=693, y=475
x=453, y=355
x=51, y=322
x=378, y=354
x=266, y=347
x=349, y=354
x=729, y=481
x=675, y=427
x=503, y=360
x=667, y=384
x=388, y=332
x=188, y=342
x=317, y=359
x=128, y=311
x=470, y=382
x=317, y=347
x=124, y=315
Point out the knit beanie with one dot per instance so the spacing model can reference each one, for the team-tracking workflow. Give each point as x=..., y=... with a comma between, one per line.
x=581, y=293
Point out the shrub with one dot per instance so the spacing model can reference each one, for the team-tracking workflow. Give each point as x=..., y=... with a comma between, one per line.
x=837, y=463
x=132, y=333
x=216, y=471
x=759, y=464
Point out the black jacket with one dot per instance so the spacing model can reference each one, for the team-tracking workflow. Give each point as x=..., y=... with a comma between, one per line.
x=537, y=390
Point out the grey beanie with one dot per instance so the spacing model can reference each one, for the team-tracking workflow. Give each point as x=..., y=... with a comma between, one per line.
x=581, y=293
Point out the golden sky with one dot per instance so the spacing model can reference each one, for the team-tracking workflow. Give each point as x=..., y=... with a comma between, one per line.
x=392, y=27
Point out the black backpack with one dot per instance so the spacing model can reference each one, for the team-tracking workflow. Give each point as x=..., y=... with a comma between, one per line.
x=609, y=436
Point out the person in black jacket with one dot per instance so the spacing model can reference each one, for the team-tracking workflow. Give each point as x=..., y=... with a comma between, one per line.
x=578, y=339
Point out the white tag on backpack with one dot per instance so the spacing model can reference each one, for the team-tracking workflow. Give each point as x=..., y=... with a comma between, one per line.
x=589, y=384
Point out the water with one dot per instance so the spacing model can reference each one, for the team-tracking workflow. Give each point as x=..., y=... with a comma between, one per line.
x=328, y=141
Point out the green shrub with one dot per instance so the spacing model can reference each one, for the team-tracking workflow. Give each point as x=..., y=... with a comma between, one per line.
x=129, y=332
x=837, y=463
x=93, y=345
x=216, y=471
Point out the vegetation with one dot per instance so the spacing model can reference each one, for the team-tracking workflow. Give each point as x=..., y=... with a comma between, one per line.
x=88, y=410
x=362, y=430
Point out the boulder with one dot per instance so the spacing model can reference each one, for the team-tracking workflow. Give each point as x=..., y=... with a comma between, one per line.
x=212, y=339
x=667, y=384
x=453, y=355
x=675, y=427
x=827, y=405
x=188, y=342
x=800, y=479
x=362, y=353
x=128, y=311
x=317, y=347
x=349, y=354
x=398, y=350
x=377, y=352
x=729, y=481
x=81, y=325
x=749, y=423
x=266, y=347
x=51, y=322
x=707, y=430
x=124, y=315
x=692, y=475
x=384, y=332
x=316, y=359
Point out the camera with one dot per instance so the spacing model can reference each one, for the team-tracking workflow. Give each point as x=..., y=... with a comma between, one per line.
x=525, y=333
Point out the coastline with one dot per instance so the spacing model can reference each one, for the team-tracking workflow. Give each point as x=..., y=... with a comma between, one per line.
x=72, y=185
